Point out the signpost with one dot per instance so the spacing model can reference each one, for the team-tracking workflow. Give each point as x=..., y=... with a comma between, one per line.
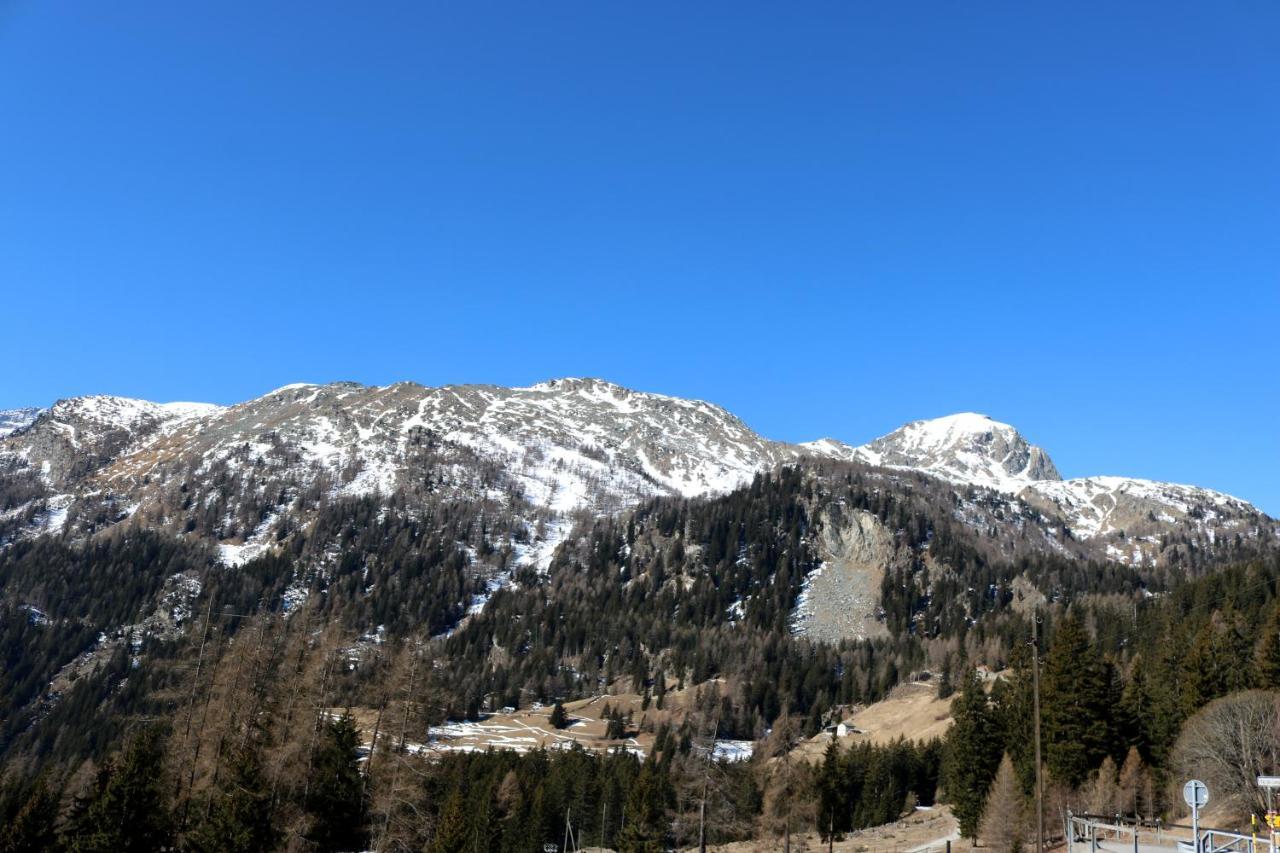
x=1196, y=795
x=1269, y=784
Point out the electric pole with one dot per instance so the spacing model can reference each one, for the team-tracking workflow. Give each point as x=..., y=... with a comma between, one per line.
x=1035, y=693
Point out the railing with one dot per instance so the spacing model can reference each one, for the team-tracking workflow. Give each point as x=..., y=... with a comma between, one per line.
x=1095, y=830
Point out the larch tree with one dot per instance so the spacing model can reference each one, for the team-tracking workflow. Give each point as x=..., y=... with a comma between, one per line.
x=1003, y=825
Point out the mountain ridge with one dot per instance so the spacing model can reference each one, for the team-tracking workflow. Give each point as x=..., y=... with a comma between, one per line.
x=557, y=448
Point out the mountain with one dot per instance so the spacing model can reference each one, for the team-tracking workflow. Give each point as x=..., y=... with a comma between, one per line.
x=1130, y=520
x=12, y=420
x=963, y=448
x=541, y=544
x=243, y=476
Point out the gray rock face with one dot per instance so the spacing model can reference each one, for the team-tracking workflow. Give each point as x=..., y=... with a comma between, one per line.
x=12, y=420
x=966, y=448
x=841, y=599
x=76, y=437
x=555, y=449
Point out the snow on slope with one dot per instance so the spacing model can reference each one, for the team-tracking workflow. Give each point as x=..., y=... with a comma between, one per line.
x=562, y=446
x=964, y=448
x=973, y=449
x=126, y=412
x=12, y=420
x=1098, y=506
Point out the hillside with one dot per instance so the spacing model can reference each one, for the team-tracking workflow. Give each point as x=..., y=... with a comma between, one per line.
x=449, y=564
x=245, y=476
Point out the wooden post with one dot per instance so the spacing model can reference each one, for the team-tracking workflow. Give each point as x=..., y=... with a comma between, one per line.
x=1035, y=689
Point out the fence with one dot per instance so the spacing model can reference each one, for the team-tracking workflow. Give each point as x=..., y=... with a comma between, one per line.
x=1097, y=833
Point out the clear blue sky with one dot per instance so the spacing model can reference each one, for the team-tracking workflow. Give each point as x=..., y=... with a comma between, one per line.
x=830, y=218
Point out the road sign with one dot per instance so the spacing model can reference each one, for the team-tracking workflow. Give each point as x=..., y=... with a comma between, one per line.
x=1269, y=781
x=1196, y=794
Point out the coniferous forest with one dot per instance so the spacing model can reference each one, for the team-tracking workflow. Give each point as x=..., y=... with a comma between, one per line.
x=263, y=707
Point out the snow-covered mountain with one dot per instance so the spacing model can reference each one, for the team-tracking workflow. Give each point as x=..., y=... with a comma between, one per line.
x=12, y=420
x=237, y=474
x=1129, y=517
x=963, y=448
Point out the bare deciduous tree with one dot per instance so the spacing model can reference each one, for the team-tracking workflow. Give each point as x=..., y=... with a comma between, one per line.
x=1104, y=792
x=1229, y=743
x=1004, y=817
x=1133, y=790
x=787, y=806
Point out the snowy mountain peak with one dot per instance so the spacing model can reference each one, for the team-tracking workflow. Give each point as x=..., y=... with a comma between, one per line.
x=546, y=452
x=12, y=420
x=965, y=447
x=125, y=412
x=946, y=428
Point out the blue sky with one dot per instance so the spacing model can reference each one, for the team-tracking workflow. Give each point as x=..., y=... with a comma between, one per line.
x=829, y=218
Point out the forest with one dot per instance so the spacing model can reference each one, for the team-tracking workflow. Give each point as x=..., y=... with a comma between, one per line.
x=288, y=703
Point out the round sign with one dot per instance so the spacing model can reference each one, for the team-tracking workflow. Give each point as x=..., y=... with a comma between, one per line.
x=1195, y=793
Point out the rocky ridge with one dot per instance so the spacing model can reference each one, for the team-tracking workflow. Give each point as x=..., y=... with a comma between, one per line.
x=549, y=451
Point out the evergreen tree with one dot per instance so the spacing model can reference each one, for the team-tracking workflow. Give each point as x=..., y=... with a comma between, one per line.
x=646, y=828
x=972, y=754
x=1163, y=715
x=1266, y=662
x=129, y=810
x=240, y=818
x=615, y=728
x=558, y=718
x=336, y=801
x=451, y=831
x=1134, y=709
x=1013, y=709
x=484, y=830
x=1075, y=704
x=32, y=828
x=833, y=815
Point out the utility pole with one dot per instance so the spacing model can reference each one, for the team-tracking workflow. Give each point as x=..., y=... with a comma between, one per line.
x=706, y=781
x=1035, y=692
x=702, y=819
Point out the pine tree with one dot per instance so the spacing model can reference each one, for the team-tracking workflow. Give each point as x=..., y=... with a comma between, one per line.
x=615, y=728
x=1013, y=710
x=129, y=811
x=1133, y=710
x=451, y=832
x=337, y=802
x=558, y=718
x=1076, y=704
x=484, y=830
x=972, y=754
x=1266, y=662
x=240, y=818
x=645, y=830
x=1201, y=675
x=832, y=811
x=32, y=828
